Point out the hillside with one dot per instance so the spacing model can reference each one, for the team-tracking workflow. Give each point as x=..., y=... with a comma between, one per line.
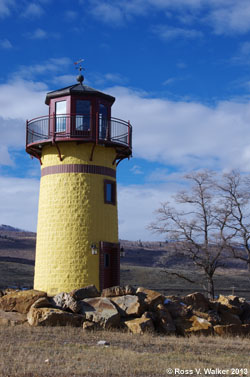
x=140, y=266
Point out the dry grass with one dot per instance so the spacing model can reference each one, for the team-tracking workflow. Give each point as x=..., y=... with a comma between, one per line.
x=68, y=352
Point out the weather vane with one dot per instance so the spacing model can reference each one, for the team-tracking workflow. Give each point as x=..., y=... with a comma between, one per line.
x=80, y=77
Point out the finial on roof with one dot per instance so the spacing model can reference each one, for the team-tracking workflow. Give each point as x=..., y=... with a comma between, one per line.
x=80, y=77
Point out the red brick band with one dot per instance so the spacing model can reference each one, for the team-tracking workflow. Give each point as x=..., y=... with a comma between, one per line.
x=78, y=168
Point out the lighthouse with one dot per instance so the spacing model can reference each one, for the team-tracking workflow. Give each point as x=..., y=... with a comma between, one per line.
x=79, y=146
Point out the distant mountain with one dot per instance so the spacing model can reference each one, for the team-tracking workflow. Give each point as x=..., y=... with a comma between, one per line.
x=10, y=228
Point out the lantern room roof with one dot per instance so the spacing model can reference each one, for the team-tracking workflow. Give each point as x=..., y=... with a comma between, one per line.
x=78, y=90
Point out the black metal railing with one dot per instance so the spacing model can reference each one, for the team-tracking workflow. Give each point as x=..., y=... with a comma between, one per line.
x=79, y=126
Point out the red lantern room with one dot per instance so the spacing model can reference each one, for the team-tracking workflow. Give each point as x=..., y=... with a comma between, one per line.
x=79, y=113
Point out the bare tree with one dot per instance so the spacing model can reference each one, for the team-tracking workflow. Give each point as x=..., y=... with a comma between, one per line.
x=236, y=197
x=198, y=224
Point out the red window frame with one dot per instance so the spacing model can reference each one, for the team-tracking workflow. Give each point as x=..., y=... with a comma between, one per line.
x=113, y=191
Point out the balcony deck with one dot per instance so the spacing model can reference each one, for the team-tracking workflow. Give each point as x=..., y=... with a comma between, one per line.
x=111, y=132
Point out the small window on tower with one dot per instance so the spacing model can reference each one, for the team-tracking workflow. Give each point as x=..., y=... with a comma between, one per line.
x=109, y=192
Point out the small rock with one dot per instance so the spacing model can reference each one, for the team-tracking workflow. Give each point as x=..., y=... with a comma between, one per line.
x=140, y=325
x=228, y=318
x=197, y=301
x=53, y=317
x=128, y=305
x=118, y=291
x=231, y=303
x=86, y=292
x=178, y=310
x=100, y=310
x=20, y=301
x=163, y=321
x=193, y=325
x=65, y=301
x=43, y=302
x=149, y=297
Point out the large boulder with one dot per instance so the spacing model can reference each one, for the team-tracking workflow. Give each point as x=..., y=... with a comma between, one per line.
x=65, y=301
x=232, y=330
x=211, y=316
x=140, y=325
x=245, y=315
x=118, y=291
x=12, y=318
x=150, y=298
x=20, y=301
x=228, y=318
x=177, y=309
x=163, y=320
x=100, y=310
x=53, y=317
x=193, y=325
x=43, y=302
x=128, y=305
x=197, y=301
x=86, y=292
x=231, y=303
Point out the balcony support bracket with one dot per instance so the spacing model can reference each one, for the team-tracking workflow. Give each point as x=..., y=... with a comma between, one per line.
x=36, y=155
x=58, y=149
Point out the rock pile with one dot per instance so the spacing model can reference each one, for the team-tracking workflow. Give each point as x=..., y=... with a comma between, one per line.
x=137, y=310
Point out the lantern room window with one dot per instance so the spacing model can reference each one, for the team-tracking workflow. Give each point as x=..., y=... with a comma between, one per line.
x=61, y=116
x=103, y=121
x=83, y=109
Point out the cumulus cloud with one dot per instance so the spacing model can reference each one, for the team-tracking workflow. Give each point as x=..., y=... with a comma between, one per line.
x=6, y=44
x=38, y=34
x=223, y=16
x=52, y=65
x=5, y=7
x=137, y=204
x=187, y=134
x=22, y=99
x=33, y=10
x=19, y=202
x=166, y=32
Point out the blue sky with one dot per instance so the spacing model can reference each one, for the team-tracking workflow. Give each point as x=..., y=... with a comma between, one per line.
x=180, y=72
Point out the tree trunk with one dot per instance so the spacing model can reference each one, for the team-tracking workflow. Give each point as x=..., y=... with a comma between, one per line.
x=210, y=287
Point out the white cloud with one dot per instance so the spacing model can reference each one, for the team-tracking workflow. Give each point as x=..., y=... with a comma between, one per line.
x=137, y=204
x=6, y=7
x=107, y=12
x=33, y=10
x=166, y=32
x=186, y=134
x=5, y=158
x=71, y=15
x=22, y=99
x=42, y=34
x=19, y=202
x=230, y=17
x=6, y=44
x=223, y=16
x=52, y=65
x=38, y=34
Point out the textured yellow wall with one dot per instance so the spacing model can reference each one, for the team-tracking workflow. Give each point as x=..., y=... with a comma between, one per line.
x=72, y=215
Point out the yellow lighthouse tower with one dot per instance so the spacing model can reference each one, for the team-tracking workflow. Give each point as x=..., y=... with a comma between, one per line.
x=79, y=146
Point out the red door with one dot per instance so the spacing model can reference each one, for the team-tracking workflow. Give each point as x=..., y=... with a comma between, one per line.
x=109, y=264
